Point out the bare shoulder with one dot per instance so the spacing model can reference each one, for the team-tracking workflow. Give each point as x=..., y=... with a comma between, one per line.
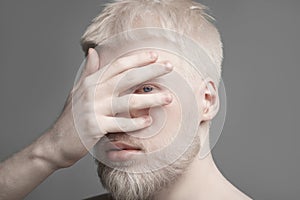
x=101, y=197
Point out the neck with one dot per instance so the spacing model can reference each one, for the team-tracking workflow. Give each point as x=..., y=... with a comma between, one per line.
x=202, y=180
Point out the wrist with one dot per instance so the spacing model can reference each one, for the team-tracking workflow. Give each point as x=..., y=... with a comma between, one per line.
x=61, y=147
x=43, y=152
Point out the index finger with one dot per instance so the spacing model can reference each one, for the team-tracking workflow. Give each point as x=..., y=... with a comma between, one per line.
x=125, y=63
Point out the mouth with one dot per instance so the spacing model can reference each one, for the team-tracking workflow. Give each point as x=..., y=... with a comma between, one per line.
x=121, y=146
x=119, y=151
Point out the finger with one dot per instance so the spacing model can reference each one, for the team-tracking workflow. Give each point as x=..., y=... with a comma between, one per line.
x=135, y=60
x=140, y=75
x=120, y=124
x=124, y=63
x=91, y=65
x=139, y=101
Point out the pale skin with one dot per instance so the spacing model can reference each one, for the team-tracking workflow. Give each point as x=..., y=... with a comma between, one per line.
x=60, y=147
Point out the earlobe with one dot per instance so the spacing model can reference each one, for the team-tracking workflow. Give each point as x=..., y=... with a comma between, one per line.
x=210, y=105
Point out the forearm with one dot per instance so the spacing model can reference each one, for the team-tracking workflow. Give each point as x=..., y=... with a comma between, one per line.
x=25, y=170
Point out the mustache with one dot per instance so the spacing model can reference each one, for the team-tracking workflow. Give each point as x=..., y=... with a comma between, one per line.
x=122, y=137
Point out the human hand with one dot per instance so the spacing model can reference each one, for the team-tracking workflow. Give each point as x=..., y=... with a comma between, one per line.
x=88, y=114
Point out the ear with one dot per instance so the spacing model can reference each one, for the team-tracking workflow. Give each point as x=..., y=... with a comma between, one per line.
x=210, y=100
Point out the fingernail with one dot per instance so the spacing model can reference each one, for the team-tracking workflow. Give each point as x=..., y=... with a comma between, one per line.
x=148, y=120
x=153, y=55
x=168, y=66
x=90, y=51
x=168, y=98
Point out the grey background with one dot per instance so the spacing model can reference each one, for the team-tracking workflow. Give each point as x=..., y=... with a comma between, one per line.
x=258, y=150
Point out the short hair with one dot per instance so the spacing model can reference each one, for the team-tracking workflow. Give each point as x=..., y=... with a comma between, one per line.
x=183, y=16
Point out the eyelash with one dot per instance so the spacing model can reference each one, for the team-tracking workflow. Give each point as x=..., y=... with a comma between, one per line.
x=142, y=88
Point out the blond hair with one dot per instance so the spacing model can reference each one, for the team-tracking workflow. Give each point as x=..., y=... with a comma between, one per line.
x=183, y=16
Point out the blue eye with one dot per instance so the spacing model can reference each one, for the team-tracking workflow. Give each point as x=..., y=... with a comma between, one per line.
x=147, y=88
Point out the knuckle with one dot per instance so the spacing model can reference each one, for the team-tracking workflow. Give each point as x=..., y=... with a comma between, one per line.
x=106, y=86
x=89, y=122
x=142, y=56
x=113, y=106
x=123, y=126
x=87, y=96
x=85, y=106
x=101, y=92
x=142, y=122
x=84, y=98
x=121, y=63
x=117, y=63
x=85, y=83
x=134, y=102
x=130, y=77
x=101, y=122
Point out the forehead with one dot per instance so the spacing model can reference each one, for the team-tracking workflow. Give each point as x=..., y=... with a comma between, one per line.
x=166, y=51
x=181, y=63
x=183, y=67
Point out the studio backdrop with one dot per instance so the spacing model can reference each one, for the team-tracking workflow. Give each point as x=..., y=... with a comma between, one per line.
x=258, y=149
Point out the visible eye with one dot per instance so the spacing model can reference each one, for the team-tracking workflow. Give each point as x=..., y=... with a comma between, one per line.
x=145, y=89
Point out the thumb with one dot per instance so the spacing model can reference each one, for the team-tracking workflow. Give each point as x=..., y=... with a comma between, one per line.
x=92, y=63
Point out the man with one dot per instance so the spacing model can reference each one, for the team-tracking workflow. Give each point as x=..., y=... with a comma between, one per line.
x=138, y=88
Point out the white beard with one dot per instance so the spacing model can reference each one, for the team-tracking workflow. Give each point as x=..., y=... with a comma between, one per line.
x=145, y=186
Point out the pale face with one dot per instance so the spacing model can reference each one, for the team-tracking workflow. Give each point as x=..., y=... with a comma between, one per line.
x=139, y=164
x=132, y=151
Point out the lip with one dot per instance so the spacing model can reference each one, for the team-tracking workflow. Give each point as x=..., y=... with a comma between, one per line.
x=119, y=146
x=119, y=151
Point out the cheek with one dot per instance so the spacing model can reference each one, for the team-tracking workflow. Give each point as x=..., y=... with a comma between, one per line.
x=174, y=120
x=170, y=128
